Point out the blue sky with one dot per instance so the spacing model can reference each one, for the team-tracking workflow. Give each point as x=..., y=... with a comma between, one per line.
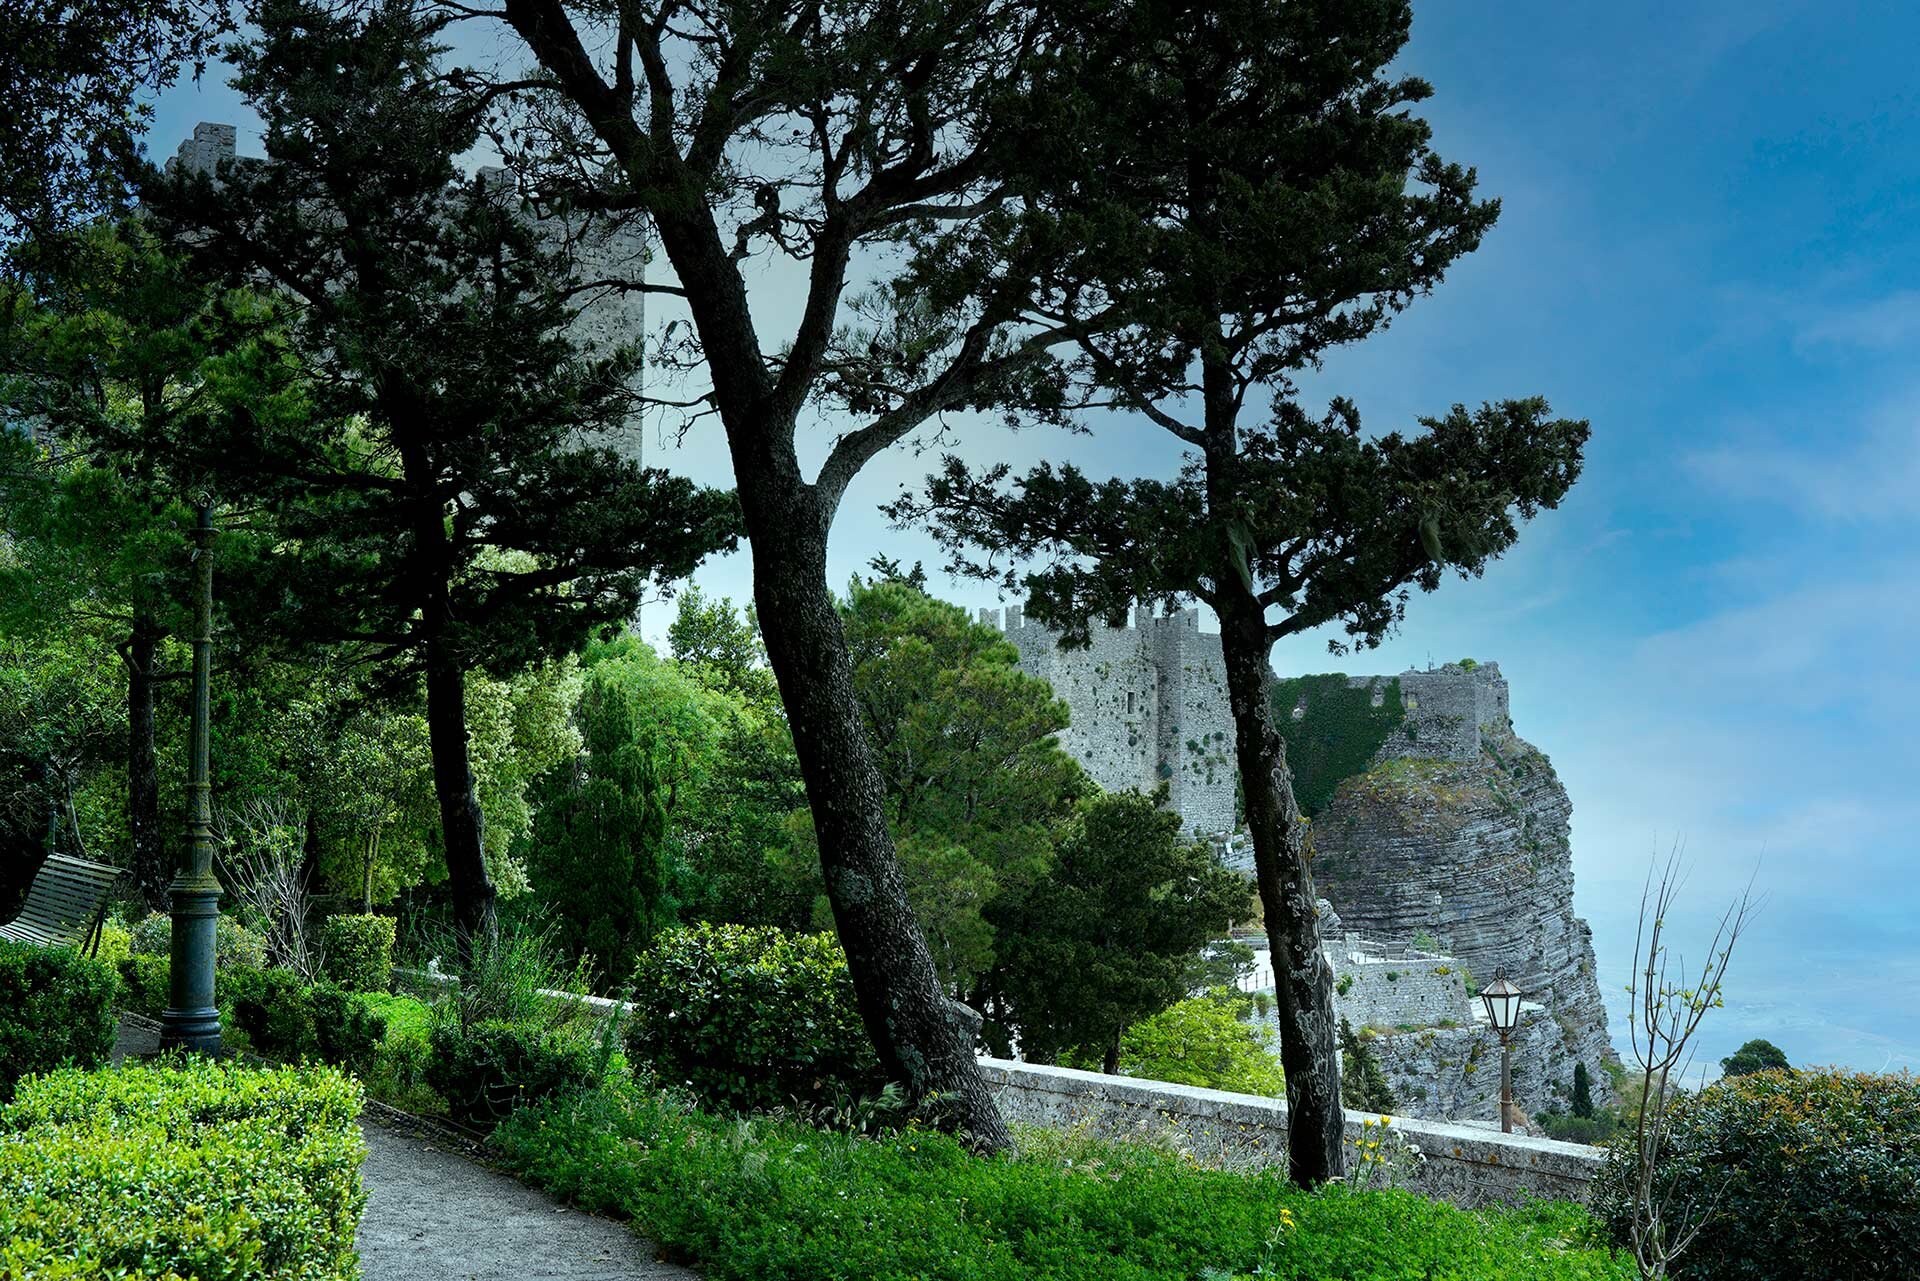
x=1709, y=247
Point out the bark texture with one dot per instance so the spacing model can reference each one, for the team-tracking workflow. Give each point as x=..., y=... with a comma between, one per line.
x=919, y=1040
x=462, y=828
x=1302, y=977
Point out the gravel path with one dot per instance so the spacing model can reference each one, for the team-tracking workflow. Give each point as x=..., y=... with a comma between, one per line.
x=434, y=1215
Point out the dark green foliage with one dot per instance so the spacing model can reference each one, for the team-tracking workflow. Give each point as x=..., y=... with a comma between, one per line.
x=751, y=1018
x=1577, y=1129
x=486, y=1071
x=358, y=951
x=1363, y=1086
x=184, y=1168
x=438, y=375
x=774, y=1200
x=1337, y=736
x=977, y=786
x=1581, y=1104
x=79, y=82
x=1815, y=1175
x=1109, y=935
x=56, y=1010
x=144, y=984
x=284, y=1018
x=1756, y=1056
x=600, y=859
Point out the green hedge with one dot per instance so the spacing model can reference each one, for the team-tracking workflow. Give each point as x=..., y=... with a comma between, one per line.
x=1814, y=1175
x=56, y=1010
x=184, y=1168
x=750, y=1018
x=144, y=983
x=359, y=952
x=486, y=1071
x=284, y=1018
x=774, y=1200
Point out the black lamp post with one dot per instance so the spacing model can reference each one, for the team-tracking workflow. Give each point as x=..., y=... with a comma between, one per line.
x=191, y=1020
x=1502, y=1000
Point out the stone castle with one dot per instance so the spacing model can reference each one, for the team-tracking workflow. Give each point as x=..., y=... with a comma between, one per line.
x=1445, y=853
x=1149, y=705
x=600, y=254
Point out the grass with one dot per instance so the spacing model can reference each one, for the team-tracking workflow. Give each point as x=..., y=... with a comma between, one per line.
x=772, y=1199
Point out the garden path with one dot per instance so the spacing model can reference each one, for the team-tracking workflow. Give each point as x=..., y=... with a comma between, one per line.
x=434, y=1215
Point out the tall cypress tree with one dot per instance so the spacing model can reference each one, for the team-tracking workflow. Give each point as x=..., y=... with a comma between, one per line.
x=427, y=462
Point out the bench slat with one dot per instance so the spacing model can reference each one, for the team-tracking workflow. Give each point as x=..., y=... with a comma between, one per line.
x=63, y=904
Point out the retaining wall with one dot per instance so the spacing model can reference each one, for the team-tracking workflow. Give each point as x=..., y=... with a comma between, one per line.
x=1464, y=1164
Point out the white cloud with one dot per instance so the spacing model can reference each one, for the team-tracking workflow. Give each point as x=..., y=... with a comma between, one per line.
x=1828, y=471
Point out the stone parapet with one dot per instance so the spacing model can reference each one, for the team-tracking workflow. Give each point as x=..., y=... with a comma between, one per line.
x=1465, y=1164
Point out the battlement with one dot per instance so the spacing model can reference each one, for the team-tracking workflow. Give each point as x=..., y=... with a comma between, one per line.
x=211, y=145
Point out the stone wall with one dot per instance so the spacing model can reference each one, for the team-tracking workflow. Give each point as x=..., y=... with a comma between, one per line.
x=1148, y=705
x=1467, y=1165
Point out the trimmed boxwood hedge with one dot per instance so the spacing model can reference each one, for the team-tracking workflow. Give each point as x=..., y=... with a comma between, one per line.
x=56, y=1010
x=359, y=952
x=486, y=1071
x=182, y=1168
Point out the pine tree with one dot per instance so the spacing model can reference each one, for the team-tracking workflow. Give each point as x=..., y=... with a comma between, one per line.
x=427, y=464
x=1258, y=191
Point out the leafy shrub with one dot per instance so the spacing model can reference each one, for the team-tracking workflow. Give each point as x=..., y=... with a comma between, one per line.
x=284, y=1018
x=1577, y=1129
x=774, y=1200
x=233, y=943
x=1202, y=1041
x=56, y=1010
x=359, y=951
x=486, y=1071
x=144, y=983
x=1817, y=1175
x=188, y=1167
x=116, y=944
x=751, y=1017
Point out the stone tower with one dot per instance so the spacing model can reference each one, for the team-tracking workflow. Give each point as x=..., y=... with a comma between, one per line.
x=601, y=254
x=1149, y=705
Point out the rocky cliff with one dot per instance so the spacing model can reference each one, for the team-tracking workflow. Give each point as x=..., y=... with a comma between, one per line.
x=1454, y=840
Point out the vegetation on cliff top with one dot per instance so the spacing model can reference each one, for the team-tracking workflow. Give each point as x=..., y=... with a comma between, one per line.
x=1337, y=733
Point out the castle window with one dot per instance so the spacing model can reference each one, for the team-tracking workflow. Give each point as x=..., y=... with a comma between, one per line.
x=1129, y=702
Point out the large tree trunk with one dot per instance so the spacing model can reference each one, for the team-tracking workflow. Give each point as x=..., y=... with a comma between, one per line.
x=152, y=870
x=921, y=1042
x=1302, y=976
x=462, y=829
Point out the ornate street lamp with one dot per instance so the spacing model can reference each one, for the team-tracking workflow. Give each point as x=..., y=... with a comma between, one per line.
x=1502, y=1000
x=191, y=1021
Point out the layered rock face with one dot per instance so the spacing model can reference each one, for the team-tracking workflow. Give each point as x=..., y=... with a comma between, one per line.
x=1456, y=841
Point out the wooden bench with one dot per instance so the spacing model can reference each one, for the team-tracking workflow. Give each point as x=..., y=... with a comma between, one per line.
x=66, y=906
